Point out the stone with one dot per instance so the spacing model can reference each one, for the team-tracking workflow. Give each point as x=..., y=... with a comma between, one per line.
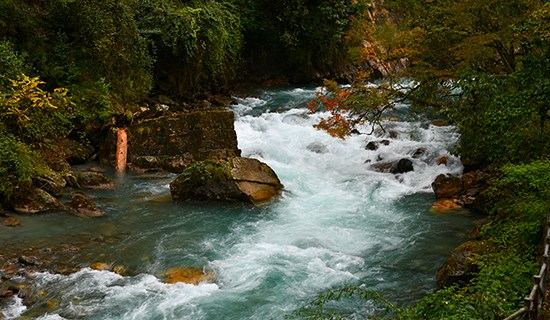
x=445, y=205
x=173, y=142
x=382, y=166
x=30, y=260
x=100, y=266
x=11, y=222
x=372, y=145
x=82, y=205
x=459, y=268
x=58, y=164
x=35, y=200
x=403, y=166
x=419, y=152
x=94, y=180
x=442, y=160
x=193, y=276
x=317, y=147
x=52, y=182
x=447, y=186
x=235, y=180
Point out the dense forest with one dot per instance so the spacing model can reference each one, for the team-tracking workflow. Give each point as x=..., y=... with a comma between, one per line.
x=67, y=67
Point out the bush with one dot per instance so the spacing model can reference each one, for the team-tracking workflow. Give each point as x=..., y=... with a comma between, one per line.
x=18, y=165
x=32, y=114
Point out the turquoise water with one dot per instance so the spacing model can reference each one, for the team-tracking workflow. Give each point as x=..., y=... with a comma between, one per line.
x=338, y=222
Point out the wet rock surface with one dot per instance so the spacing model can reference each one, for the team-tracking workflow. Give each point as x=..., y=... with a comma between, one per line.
x=460, y=268
x=232, y=180
x=35, y=200
x=83, y=205
x=94, y=180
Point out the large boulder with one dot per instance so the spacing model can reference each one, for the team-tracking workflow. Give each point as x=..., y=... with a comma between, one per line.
x=460, y=267
x=174, y=141
x=35, y=200
x=447, y=186
x=235, y=180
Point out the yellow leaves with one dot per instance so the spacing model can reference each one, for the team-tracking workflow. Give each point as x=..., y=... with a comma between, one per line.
x=26, y=96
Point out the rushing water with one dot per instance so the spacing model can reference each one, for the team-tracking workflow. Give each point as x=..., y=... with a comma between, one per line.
x=338, y=222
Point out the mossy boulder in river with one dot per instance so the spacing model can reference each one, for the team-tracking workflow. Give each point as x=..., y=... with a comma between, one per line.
x=235, y=180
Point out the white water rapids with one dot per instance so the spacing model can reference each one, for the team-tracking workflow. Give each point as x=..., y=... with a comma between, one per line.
x=338, y=222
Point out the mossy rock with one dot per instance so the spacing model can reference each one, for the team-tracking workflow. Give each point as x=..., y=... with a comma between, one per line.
x=461, y=265
x=234, y=180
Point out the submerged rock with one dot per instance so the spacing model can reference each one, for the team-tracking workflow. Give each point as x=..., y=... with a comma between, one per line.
x=82, y=205
x=11, y=222
x=317, y=147
x=445, y=205
x=234, y=180
x=419, y=152
x=442, y=160
x=374, y=145
x=100, y=266
x=193, y=276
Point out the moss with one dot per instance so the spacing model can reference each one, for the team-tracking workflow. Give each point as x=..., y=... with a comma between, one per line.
x=200, y=173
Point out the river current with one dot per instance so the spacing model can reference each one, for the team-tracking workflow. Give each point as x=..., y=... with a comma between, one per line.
x=338, y=222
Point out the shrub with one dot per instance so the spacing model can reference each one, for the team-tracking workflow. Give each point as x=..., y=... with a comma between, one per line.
x=17, y=165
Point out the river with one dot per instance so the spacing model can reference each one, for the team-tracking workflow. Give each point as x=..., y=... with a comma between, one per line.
x=338, y=222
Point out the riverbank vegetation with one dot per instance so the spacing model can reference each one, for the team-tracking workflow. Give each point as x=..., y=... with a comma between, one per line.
x=67, y=67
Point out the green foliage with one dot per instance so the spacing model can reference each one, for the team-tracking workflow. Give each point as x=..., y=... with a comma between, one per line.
x=296, y=35
x=199, y=43
x=522, y=197
x=200, y=173
x=17, y=165
x=494, y=293
x=92, y=105
x=502, y=119
x=322, y=307
x=12, y=64
x=32, y=114
x=107, y=43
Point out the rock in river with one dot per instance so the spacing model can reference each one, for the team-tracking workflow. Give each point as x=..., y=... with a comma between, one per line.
x=35, y=200
x=82, y=205
x=235, y=180
x=173, y=142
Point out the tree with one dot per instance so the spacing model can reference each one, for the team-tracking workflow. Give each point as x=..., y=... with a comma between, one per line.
x=482, y=63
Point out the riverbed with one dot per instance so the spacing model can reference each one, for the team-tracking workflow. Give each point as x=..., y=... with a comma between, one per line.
x=338, y=222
